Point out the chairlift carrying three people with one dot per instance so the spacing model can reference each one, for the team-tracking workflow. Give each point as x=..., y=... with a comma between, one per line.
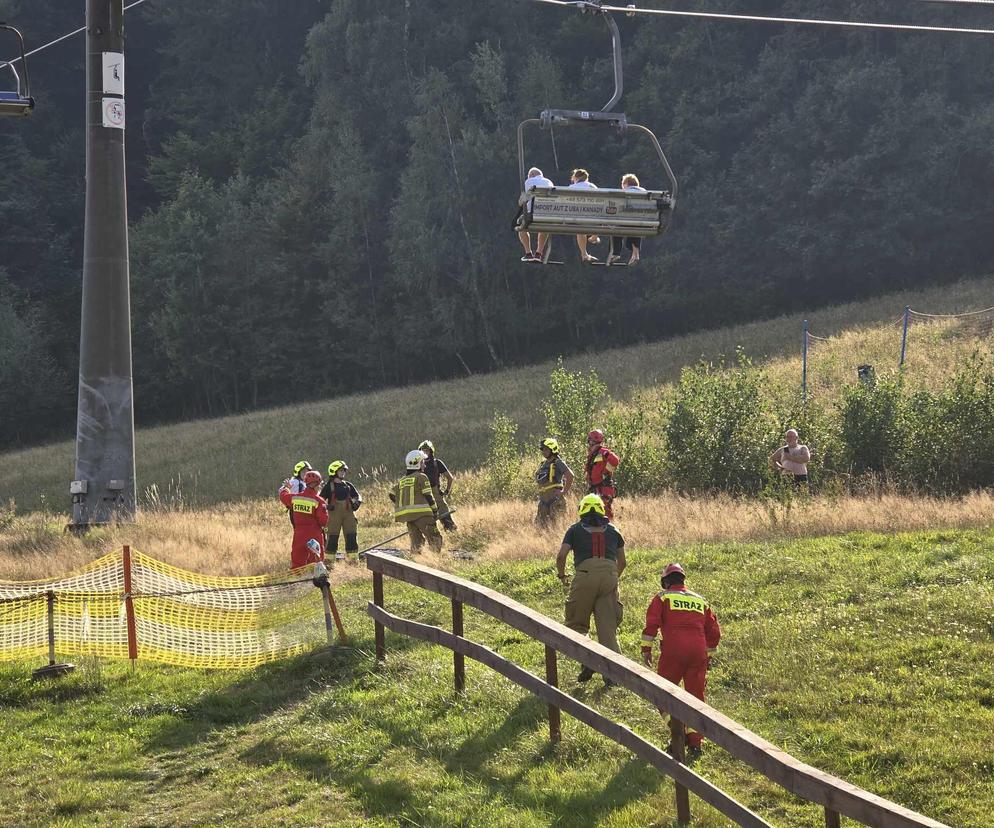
x=18, y=100
x=631, y=213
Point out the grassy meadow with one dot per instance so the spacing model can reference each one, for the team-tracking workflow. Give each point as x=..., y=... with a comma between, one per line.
x=868, y=655
x=244, y=457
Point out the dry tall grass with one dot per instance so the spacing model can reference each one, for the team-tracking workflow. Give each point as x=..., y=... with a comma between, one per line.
x=206, y=462
x=254, y=537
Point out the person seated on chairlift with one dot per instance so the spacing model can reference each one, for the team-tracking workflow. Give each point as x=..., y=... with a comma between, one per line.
x=580, y=180
x=535, y=179
x=629, y=182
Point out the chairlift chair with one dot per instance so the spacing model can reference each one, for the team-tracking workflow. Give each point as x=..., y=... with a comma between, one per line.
x=600, y=212
x=16, y=101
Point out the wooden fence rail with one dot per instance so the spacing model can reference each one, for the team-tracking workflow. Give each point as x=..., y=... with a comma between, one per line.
x=837, y=797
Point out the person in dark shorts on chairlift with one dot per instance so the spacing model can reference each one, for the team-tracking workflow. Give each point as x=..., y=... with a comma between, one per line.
x=630, y=182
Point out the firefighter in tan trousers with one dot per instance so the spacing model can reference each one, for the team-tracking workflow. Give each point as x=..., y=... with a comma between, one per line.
x=415, y=506
x=598, y=560
x=554, y=479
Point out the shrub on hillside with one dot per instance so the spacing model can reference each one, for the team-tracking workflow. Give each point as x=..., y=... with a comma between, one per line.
x=945, y=438
x=720, y=431
x=634, y=433
x=574, y=398
x=503, y=457
x=868, y=427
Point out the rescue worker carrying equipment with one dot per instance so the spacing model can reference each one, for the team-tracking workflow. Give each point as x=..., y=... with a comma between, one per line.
x=310, y=516
x=598, y=560
x=689, y=631
x=343, y=502
x=436, y=471
x=554, y=479
x=602, y=463
x=415, y=506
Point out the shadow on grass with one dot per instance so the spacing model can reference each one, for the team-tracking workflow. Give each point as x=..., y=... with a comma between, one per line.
x=385, y=795
x=269, y=688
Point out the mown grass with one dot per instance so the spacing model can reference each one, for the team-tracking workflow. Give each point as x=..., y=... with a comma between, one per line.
x=244, y=457
x=869, y=656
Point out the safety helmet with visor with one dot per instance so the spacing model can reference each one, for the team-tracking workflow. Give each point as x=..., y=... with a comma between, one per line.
x=301, y=466
x=414, y=459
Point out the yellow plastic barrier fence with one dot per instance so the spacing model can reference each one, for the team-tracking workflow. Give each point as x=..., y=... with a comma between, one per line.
x=128, y=605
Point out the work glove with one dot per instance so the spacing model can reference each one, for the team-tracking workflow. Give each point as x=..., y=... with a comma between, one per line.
x=647, y=656
x=434, y=514
x=331, y=507
x=356, y=503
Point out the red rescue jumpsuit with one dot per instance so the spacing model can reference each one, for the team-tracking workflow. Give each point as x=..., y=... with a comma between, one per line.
x=602, y=463
x=310, y=516
x=689, y=630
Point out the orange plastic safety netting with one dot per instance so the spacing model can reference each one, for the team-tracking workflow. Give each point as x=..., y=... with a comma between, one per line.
x=168, y=614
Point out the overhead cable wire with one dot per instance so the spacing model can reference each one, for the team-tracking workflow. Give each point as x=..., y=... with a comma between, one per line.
x=67, y=35
x=755, y=18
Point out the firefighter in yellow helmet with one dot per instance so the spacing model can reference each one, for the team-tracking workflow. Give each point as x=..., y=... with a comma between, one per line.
x=438, y=473
x=598, y=560
x=344, y=501
x=414, y=504
x=554, y=479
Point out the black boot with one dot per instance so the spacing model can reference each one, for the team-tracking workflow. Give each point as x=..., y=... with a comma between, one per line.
x=585, y=674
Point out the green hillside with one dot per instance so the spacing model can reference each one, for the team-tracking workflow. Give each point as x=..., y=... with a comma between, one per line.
x=244, y=457
x=869, y=656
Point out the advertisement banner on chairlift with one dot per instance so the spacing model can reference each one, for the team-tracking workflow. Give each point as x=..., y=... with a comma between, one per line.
x=113, y=63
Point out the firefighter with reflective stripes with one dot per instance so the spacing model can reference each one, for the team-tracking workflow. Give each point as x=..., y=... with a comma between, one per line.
x=554, y=479
x=602, y=463
x=436, y=471
x=310, y=516
x=690, y=632
x=343, y=501
x=414, y=504
x=598, y=560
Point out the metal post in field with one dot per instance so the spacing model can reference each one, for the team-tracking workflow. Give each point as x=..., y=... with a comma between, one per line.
x=52, y=670
x=904, y=335
x=804, y=364
x=104, y=486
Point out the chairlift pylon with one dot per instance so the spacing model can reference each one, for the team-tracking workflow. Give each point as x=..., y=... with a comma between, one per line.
x=16, y=101
x=602, y=212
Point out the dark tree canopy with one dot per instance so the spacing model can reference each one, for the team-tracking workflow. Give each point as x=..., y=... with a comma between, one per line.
x=321, y=192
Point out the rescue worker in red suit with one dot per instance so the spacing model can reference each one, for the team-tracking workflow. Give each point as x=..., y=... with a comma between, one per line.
x=689, y=631
x=310, y=516
x=602, y=463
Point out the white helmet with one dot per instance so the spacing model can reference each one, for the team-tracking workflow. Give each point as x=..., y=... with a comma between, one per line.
x=415, y=459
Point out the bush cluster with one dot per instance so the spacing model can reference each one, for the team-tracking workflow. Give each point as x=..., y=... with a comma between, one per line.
x=714, y=432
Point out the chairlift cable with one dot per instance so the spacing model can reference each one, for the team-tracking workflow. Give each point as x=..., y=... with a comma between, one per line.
x=66, y=36
x=754, y=18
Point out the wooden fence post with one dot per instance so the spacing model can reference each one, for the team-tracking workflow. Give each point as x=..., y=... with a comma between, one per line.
x=129, y=608
x=458, y=659
x=678, y=744
x=832, y=818
x=552, y=677
x=381, y=650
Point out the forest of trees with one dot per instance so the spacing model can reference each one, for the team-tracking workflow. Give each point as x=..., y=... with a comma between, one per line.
x=321, y=191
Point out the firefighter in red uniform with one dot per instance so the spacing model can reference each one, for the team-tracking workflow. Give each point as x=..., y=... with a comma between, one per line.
x=602, y=463
x=689, y=632
x=310, y=516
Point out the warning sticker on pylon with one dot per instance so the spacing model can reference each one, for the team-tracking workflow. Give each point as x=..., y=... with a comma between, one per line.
x=113, y=110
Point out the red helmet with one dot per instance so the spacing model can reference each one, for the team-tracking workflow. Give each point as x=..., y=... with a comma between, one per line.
x=595, y=436
x=673, y=568
x=312, y=478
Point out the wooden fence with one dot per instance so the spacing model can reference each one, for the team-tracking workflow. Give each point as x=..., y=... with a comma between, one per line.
x=838, y=798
